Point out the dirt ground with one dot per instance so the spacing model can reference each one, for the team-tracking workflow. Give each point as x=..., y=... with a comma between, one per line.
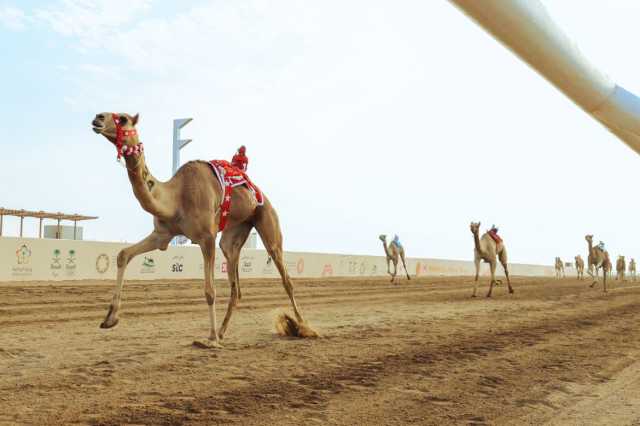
x=424, y=352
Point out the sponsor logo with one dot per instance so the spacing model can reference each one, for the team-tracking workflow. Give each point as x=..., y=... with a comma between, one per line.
x=223, y=267
x=327, y=270
x=300, y=266
x=102, y=263
x=246, y=264
x=353, y=266
x=363, y=268
x=23, y=259
x=56, y=261
x=23, y=255
x=148, y=265
x=71, y=260
x=177, y=264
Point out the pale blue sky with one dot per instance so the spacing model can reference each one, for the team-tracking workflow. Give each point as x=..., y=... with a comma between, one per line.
x=360, y=118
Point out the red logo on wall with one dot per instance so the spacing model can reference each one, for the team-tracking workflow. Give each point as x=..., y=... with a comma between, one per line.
x=327, y=270
x=300, y=266
x=224, y=266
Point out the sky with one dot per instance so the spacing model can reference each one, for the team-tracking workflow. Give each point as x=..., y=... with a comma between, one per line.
x=360, y=118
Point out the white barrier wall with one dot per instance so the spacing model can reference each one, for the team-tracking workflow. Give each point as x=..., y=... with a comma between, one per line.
x=24, y=259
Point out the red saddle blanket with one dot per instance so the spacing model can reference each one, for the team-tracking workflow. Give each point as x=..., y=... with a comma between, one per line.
x=495, y=236
x=230, y=177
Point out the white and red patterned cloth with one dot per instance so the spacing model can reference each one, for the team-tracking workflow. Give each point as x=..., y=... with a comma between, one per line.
x=230, y=177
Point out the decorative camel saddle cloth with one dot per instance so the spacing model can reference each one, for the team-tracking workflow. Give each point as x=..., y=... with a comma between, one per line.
x=495, y=237
x=230, y=177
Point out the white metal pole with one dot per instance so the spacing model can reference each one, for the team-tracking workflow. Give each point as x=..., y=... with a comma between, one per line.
x=527, y=29
x=178, y=143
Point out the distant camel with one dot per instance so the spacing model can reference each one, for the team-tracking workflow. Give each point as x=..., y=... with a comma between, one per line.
x=621, y=267
x=580, y=267
x=632, y=269
x=598, y=258
x=487, y=249
x=559, y=268
x=393, y=251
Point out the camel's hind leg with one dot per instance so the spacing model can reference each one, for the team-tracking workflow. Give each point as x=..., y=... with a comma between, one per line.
x=268, y=227
x=404, y=264
x=503, y=261
x=154, y=241
x=231, y=243
x=492, y=265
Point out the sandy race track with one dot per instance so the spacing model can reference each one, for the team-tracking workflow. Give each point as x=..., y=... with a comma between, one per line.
x=422, y=352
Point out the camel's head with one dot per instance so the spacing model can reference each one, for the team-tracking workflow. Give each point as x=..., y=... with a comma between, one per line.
x=589, y=238
x=475, y=227
x=383, y=238
x=118, y=128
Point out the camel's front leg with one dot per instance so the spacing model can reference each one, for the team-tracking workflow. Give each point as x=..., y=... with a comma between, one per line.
x=475, y=282
x=152, y=242
x=395, y=270
x=595, y=278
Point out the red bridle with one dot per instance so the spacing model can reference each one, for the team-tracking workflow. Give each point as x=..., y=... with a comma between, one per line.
x=121, y=134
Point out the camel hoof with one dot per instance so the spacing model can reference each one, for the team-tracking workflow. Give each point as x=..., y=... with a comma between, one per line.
x=489, y=295
x=473, y=295
x=288, y=326
x=106, y=324
x=511, y=291
x=207, y=344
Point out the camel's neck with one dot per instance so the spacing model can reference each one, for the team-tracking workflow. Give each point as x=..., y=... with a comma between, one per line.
x=590, y=246
x=147, y=189
x=476, y=241
x=386, y=249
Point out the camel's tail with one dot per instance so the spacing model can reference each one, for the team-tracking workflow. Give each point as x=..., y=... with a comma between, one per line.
x=288, y=326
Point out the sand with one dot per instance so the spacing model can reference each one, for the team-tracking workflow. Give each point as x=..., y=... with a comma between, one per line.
x=423, y=352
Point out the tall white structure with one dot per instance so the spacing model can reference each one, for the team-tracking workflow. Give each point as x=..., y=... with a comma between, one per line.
x=178, y=143
x=526, y=28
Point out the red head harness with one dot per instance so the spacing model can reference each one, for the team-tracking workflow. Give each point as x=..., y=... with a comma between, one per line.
x=121, y=134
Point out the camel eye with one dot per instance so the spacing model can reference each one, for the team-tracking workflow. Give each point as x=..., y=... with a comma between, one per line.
x=122, y=120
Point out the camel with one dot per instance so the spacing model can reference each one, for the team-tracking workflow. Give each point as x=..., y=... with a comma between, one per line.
x=621, y=267
x=393, y=251
x=632, y=269
x=560, y=268
x=189, y=204
x=487, y=249
x=580, y=267
x=597, y=259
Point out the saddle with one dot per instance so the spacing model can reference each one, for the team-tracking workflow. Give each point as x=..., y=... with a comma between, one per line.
x=494, y=235
x=230, y=177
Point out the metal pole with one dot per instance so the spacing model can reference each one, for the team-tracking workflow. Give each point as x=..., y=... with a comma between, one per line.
x=40, y=229
x=75, y=228
x=21, y=225
x=178, y=143
x=1, y=223
x=58, y=231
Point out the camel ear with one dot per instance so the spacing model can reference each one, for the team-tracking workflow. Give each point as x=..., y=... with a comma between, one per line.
x=135, y=119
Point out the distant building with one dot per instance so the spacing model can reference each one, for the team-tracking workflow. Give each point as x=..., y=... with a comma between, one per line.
x=66, y=232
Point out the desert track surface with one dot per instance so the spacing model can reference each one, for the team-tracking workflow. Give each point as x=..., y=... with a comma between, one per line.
x=423, y=352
